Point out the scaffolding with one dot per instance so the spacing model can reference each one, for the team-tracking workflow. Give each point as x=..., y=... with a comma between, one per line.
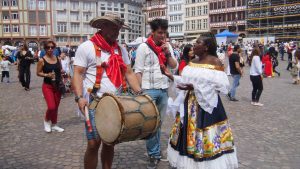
x=274, y=18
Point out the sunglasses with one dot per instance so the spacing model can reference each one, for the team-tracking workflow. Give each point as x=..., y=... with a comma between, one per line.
x=49, y=47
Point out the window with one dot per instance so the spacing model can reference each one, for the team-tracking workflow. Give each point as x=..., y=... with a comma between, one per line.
x=14, y=3
x=187, y=11
x=14, y=15
x=61, y=27
x=32, y=4
x=86, y=16
x=6, y=28
x=187, y=24
x=205, y=10
x=87, y=6
x=32, y=30
x=42, y=30
x=5, y=3
x=199, y=24
x=74, y=16
x=193, y=11
x=75, y=27
x=61, y=39
x=60, y=4
x=86, y=28
x=193, y=24
x=122, y=6
x=199, y=9
x=5, y=17
x=205, y=23
x=42, y=4
x=61, y=15
x=74, y=5
x=15, y=28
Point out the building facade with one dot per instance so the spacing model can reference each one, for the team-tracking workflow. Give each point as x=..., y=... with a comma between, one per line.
x=228, y=14
x=131, y=12
x=25, y=21
x=70, y=21
x=274, y=18
x=154, y=9
x=176, y=19
x=196, y=19
x=65, y=21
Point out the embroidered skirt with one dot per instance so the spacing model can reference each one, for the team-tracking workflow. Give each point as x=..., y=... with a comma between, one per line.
x=201, y=140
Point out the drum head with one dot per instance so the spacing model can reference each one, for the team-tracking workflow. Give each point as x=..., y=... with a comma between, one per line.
x=108, y=119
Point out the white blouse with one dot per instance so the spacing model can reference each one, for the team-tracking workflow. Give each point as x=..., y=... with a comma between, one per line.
x=207, y=82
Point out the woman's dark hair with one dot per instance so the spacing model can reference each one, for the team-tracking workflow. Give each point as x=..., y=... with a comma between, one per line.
x=47, y=43
x=255, y=52
x=159, y=23
x=185, y=53
x=210, y=41
x=24, y=47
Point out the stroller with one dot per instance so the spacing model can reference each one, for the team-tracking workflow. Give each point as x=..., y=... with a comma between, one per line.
x=67, y=82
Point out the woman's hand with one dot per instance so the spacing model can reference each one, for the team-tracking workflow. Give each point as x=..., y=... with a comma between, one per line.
x=187, y=86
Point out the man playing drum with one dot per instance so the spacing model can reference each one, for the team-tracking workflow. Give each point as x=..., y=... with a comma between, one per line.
x=101, y=65
x=151, y=58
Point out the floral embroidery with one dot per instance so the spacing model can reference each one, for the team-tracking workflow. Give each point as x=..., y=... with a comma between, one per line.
x=203, y=143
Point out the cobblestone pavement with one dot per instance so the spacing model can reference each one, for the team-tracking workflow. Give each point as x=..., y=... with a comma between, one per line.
x=266, y=137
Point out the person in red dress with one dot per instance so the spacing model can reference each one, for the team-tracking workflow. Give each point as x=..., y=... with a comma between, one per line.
x=188, y=54
x=266, y=60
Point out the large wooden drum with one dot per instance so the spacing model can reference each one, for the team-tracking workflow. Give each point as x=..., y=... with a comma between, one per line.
x=126, y=118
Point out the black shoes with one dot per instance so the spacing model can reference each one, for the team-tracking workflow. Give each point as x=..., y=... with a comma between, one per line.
x=234, y=99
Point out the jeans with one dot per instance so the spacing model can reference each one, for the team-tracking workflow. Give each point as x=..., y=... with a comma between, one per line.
x=160, y=97
x=235, y=84
x=257, y=87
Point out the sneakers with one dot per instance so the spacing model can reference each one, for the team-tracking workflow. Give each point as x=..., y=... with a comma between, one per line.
x=258, y=104
x=56, y=128
x=47, y=126
x=152, y=163
x=253, y=103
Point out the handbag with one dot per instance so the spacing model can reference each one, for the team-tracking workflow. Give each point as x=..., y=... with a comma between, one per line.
x=61, y=87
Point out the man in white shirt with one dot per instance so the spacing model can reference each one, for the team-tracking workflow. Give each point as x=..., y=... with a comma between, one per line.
x=151, y=57
x=90, y=56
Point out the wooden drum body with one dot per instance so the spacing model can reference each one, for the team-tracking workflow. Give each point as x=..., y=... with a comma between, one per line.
x=126, y=118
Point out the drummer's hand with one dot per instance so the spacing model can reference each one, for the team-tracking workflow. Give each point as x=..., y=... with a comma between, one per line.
x=82, y=102
x=185, y=86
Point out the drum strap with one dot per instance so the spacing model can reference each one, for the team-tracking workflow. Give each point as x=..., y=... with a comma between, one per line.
x=99, y=71
x=100, y=67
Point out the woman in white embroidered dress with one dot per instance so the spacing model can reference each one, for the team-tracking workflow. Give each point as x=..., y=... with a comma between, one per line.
x=201, y=136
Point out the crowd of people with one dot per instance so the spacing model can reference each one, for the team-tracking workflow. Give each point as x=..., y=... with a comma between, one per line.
x=200, y=136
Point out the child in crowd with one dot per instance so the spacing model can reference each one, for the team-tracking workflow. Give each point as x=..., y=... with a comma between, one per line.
x=4, y=64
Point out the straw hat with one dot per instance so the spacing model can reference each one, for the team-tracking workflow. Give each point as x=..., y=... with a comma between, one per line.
x=110, y=17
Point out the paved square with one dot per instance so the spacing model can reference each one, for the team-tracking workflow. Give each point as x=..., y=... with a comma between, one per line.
x=266, y=137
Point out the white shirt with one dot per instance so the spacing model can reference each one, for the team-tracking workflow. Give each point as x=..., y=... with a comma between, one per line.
x=4, y=65
x=256, y=66
x=65, y=63
x=147, y=63
x=85, y=56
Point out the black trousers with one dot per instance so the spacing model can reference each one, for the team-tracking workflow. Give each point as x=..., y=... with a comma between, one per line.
x=5, y=74
x=257, y=87
x=24, y=75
